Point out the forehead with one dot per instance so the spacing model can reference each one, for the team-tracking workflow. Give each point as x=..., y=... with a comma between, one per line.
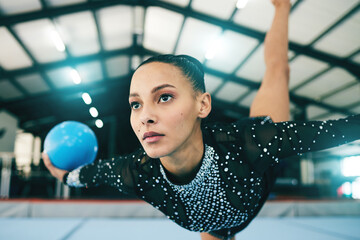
x=155, y=73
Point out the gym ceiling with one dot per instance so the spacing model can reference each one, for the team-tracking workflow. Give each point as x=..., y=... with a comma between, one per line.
x=104, y=41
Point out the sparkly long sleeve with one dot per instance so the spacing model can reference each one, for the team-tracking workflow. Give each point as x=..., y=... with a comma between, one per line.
x=267, y=142
x=117, y=172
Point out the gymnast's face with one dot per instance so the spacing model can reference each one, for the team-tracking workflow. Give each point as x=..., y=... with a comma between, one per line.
x=165, y=110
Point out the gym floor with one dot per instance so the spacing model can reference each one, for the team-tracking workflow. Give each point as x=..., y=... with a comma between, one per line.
x=289, y=228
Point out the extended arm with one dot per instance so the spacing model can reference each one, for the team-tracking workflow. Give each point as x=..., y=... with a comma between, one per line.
x=267, y=143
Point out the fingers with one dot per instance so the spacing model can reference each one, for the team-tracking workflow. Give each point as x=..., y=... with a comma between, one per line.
x=47, y=161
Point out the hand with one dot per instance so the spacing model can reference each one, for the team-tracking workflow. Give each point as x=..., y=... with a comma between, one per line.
x=56, y=172
x=277, y=3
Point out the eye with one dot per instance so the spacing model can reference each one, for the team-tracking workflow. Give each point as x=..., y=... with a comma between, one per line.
x=165, y=98
x=135, y=105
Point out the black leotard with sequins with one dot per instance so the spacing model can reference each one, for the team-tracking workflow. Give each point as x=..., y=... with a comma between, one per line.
x=235, y=176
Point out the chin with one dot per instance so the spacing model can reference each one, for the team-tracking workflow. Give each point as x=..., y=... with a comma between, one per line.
x=155, y=152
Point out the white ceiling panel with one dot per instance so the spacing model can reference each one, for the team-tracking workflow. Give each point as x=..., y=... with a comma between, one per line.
x=116, y=25
x=78, y=31
x=220, y=9
x=8, y=91
x=333, y=116
x=311, y=18
x=343, y=40
x=326, y=83
x=161, y=29
x=303, y=67
x=356, y=58
x=90, y=72
x=254, y=67
x=235, y=47
x=356, y=109
x=249, y=16
x=57, y=3
x=36, y=35
x=33, y=83
x=212, y=83
x=231, y=91
x=182, y=3
x=117, y=66
x=195, y=37
x=312, y=111
x=19, y=6
x=346, y=97
x=12, y=55
x=247, y=101
x=61, y=77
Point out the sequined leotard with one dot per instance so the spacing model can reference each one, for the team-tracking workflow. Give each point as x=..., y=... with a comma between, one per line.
x=235, y=176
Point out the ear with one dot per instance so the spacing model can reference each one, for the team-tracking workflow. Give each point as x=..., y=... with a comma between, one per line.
x=205, y=105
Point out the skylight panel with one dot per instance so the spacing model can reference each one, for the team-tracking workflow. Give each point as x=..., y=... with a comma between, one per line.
x=161, y=29
x=78, y=31
x=117, y=66
x=232, y=50
x=33, y=83
x=61, y=77
x=196, y=37
x=313, y=111
x=8, y=91
x=37, y=37
x=346, y=97
x=254, y=67
x=90, y=71
x=248, y=100
x=220, y=9
x=343, y=40
x=249, y=16
x=303, y=68
x=19, y=6
x=212, y=83
x=231, y=91
x=116, y=26
x=12, y=55
x=311, y=18
x=326, y=83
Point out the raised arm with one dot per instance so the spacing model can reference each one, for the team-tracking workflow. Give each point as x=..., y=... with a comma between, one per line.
x=272, y=98
x=267, y=143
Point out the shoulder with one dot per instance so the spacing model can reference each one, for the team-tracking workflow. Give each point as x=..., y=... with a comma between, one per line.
x=229, y=131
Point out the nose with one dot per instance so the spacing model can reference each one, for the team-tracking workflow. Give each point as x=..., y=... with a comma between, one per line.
x=147, y=116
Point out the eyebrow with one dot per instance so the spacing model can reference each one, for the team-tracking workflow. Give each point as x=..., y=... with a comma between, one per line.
x=154, y=90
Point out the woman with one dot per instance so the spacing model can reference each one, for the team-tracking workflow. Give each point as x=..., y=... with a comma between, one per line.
x=211, y=178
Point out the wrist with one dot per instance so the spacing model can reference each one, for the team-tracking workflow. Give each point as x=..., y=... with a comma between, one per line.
x=283, y=5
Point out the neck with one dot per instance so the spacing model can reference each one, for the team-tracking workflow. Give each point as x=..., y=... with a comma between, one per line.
x=183, y=164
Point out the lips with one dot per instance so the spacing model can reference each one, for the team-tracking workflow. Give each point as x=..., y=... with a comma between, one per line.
x=151, y=134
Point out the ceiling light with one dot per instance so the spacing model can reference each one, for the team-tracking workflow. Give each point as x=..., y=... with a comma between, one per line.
x=215, y=46
x=86, y=97
x=93, y=112
x=75, y=76
x=99, y=123
x=56, y=39
x=241, y=4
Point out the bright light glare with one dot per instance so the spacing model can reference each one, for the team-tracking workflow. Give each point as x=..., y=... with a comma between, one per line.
x=86, y=97
x=56, y=39
x=241, y=3
x=215, y=46
x=350, y=166
x=75, y=76
x=356, y=189
x=99, y=123
x=94, y=112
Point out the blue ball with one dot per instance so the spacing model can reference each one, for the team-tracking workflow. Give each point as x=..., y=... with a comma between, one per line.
x=70, y=145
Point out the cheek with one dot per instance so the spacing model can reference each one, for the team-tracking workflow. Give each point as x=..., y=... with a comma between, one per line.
x=133, y=124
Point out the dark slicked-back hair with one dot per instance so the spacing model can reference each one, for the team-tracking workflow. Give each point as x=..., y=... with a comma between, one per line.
x=190, y=67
